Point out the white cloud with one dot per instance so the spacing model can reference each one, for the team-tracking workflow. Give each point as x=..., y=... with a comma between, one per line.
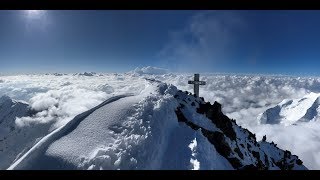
x=57, y=99
x=150, y=70
x=28, y=121
x=245, y=97
x=302, y=139
x=58, y=105
x=206, y=38
x=60, y=98
x=43, y=102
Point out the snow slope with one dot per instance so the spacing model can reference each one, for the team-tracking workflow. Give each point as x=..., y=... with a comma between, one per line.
x=10, y=109
x=160, y=128
x=11, y=136
x=236, y=144
x=289, y=112
x=117, y=143
x=63, y=130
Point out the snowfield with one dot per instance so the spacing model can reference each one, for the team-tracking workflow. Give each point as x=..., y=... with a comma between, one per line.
x=289, y=112
x=139, y=132
x=53, y=130
x=131, y=131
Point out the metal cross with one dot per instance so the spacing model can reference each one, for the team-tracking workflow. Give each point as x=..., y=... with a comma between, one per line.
x=196, y=83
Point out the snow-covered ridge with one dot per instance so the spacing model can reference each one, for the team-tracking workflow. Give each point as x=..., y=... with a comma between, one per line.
x=293, y=111
x=160, y=128
x=243, y=98
x=10, y=109
x=236, y=144
x=117, y=136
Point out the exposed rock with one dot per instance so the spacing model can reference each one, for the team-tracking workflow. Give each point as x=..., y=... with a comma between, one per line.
x=238, y=145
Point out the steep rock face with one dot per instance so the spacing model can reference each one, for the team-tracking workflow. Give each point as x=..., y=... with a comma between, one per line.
x=238, y=145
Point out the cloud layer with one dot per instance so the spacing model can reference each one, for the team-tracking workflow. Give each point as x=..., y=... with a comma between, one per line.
x=150, y=70
x=243, y=97
x=59, y=98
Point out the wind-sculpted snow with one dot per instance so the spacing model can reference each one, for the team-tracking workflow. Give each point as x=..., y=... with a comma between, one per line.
x=130, y=133
x=40, y=147
x=54, y=100
x=59, y=99
x=147, y=131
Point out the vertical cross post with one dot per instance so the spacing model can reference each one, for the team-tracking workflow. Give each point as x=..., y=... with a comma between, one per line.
x=196, y=85
x=196, y=82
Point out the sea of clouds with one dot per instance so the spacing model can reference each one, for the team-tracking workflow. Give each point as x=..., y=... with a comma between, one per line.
x=243, y=97
x=59, y=98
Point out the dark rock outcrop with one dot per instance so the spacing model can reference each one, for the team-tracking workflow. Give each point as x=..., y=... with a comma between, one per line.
x=238, y=145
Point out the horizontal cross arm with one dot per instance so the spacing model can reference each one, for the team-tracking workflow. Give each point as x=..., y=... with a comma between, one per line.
x=197, y=82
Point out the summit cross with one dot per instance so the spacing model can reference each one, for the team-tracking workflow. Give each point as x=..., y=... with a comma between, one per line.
x=196, y=84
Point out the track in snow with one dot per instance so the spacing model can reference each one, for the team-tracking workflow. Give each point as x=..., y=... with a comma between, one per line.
x=54, y=150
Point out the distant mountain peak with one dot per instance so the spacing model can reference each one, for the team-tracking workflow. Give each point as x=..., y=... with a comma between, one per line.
x=291, y=111
x=85, y=74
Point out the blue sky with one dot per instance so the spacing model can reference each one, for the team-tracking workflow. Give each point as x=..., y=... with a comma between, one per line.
x=276, y=42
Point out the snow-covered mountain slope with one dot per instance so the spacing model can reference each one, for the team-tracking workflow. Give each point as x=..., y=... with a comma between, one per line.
x=160, y=128
x=11, y=136
x=236, y=144
x=292, y=111
x=10, y=109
